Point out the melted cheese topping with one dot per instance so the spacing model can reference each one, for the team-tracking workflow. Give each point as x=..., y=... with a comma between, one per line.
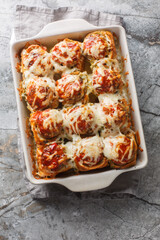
x=71, y=88
x=102, y=117
x=67, y=54
x=113, y=146
x=70, y=148
x=40, y=93
x=111, y=114
x=106, y=122
x=52, y=159
x=51, y=118
x=46, y=124
x=109, y=98
x=69, y=79
x=110, y=144
x=37, y=61
x=96, y=45
x=96, y=48
x=58, y=68
x=107, y=63
x=79, y=120
x=106, y=77
x=89, y=149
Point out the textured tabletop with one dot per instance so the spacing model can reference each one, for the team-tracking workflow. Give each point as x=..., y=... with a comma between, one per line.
x=91, y=215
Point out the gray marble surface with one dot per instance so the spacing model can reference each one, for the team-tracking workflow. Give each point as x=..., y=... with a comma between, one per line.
x=91, y=215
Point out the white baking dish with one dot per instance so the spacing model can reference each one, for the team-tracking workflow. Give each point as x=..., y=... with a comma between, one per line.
x=75, y=29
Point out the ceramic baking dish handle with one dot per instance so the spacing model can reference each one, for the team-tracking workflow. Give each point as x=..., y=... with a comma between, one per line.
x=91, y=182
x=64, y=26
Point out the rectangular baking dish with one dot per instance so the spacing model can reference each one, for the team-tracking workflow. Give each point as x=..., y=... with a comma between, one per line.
x=75, y=29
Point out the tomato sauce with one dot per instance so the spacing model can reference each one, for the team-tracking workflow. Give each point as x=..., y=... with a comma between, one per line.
x=51, y=156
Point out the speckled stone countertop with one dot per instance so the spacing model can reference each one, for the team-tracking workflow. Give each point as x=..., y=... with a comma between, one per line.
x=94, y=215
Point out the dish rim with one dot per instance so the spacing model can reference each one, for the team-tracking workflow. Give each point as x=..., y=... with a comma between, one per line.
x=104, y=178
